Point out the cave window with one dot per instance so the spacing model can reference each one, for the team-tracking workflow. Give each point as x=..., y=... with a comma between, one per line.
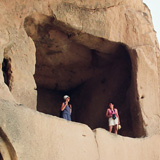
x=6, y=68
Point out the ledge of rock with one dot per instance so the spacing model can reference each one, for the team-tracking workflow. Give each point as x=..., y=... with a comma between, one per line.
x=34, y=135
x=124, y=148
x=28, y=134
x=96, y=52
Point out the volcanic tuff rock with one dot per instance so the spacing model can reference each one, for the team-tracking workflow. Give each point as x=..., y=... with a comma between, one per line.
x=95, y=51
x=22, y=138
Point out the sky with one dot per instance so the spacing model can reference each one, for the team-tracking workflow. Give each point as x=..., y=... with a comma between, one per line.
x=154, y=6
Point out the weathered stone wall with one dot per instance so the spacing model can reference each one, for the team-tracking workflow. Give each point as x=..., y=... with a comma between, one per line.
x=100, y=33
x=124, y=148
x=123, y=21
x=28, y=134
x=35, y=135
x=19, y=50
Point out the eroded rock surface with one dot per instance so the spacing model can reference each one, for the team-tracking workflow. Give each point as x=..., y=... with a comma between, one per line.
x=126, y=148
x=95, y=51
x=34, y=135
x=38, y=136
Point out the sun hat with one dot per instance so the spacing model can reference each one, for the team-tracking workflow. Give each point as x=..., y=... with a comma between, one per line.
x=65, y=97
x=118, y=126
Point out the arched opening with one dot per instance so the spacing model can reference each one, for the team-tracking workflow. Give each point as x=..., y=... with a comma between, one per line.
x=92, y=70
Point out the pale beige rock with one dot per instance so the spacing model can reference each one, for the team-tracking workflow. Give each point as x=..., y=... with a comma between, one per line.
x=90, y=25
x=27, y=134
x=86, y=37
x=147, y=80
x=35, y=136
x=123, y=148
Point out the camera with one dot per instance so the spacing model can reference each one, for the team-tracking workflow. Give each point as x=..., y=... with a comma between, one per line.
x=114, y=116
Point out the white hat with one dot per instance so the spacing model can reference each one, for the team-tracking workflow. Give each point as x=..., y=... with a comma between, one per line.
x=118, y=126
x=65, y=97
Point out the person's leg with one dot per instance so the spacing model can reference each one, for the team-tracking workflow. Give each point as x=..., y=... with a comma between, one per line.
x=110, y=122
x=110, y=128
x=115, y=126
x=115, y=129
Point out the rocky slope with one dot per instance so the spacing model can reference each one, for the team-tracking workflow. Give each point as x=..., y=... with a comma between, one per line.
x=95, y=51
x=26, y=134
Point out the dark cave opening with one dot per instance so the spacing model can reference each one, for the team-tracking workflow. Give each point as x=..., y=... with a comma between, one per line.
x=6, y=70
x=1, y=158
x=91, y=70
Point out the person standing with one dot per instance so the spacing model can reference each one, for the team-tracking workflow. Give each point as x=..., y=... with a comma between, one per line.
x=113, y=118
x=66, y=108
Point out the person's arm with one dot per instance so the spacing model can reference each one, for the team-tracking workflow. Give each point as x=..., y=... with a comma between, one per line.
x=63, y=106
x=118, y=116
x=70, y=108
x=107, y=114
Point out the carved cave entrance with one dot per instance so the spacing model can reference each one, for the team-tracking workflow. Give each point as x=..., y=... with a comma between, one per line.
x=91, y=70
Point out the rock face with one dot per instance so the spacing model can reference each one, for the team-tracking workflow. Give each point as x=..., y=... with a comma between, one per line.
x=35, y=136
x=95, y=51
x=126, y=148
